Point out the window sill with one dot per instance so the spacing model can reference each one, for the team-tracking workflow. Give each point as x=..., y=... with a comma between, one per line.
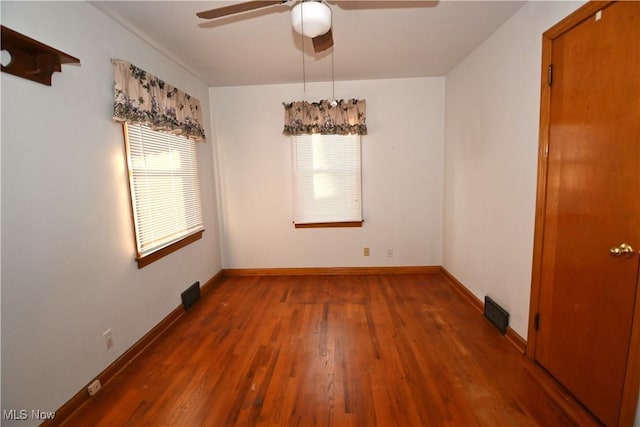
x=330, y=224
x=154, y=256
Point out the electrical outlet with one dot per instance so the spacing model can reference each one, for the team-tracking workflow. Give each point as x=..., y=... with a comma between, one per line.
x=94, y=387
x=108, y=339
x=366, y=252
x=389, y=252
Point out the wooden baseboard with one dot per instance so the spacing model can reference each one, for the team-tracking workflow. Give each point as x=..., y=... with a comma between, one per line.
x=462, y=289
x=512, y=336
x=329, y=271
x=73, y=404
x=515, y=339
x=211, y=283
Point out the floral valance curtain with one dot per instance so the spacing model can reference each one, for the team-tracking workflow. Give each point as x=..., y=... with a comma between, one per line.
x=142, y=98
x=347, y=117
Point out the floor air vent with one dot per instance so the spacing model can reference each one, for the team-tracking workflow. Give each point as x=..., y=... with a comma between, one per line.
x=496, y=314
x=191, y=295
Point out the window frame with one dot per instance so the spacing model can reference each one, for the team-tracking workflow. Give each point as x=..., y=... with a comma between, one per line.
x=325, y=224
x=161, y=251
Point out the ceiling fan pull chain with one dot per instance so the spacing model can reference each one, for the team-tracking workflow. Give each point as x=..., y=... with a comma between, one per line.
x=304, y=74
x=334, y=103
x=333, y=69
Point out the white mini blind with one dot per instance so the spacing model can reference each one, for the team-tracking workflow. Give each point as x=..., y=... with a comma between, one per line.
x=165, y=192
x=327, y=179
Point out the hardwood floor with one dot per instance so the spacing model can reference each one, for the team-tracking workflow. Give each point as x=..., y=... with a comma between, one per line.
x=385, y=350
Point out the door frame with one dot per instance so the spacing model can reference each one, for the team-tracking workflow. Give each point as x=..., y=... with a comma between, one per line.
x=632, y=375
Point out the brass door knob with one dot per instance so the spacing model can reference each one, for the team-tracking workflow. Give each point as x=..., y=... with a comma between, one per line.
x=627, y=250
x=622, y=250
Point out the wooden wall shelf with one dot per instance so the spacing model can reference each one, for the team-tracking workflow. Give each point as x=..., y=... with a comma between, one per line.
x=31, y=59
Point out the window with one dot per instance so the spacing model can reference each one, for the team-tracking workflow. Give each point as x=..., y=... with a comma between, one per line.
x=327, y=181
x=165, y=194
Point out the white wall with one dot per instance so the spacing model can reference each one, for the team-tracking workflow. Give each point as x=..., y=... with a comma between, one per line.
x=492, y=116
x=68, y=269
x=490, y=169
x=401, y=168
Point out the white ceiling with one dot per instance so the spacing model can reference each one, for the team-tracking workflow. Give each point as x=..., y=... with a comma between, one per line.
x=373, y=39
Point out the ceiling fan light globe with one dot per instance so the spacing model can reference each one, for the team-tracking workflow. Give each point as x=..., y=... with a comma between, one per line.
x=315, y=15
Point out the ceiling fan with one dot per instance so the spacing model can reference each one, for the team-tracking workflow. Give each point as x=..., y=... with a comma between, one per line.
x=311, y=18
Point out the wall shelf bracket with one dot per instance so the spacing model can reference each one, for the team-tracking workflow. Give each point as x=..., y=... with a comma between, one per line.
x=31, y=59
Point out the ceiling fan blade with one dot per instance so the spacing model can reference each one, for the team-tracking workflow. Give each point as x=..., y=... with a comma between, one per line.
x=323, y=41
x=236, y=8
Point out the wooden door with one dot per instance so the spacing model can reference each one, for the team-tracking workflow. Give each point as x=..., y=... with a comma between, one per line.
x=591, y=226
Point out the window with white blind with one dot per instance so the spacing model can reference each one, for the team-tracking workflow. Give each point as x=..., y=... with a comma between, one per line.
x=327, y=181
x=165, y=193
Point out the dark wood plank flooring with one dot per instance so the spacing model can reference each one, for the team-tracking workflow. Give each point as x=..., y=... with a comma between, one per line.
x=371, y=350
